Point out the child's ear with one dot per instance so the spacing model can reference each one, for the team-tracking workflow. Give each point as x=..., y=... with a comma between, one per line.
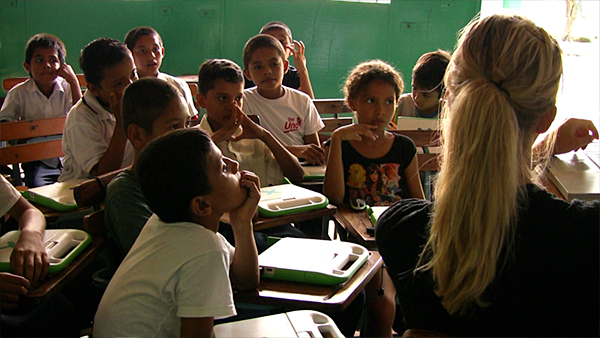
x=247, y=74
x=351, y=103
x=286, y=66
x=546, y=120
x=92, y=88
x=201, y=100
x=27, y=67
x=136, y=135
x=199, y=206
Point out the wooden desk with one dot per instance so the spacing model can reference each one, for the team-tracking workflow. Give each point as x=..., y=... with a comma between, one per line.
x=55, y=282
x=315, y=297
x=268, y=222
x=355, y=222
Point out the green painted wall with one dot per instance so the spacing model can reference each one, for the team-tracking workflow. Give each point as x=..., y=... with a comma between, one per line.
x=338, y=35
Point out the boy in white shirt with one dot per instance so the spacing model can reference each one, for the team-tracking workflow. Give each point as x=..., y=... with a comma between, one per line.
x=176, y=278
x=287, y=113
x=94, y=140
x=51, y=91
x=148, y=51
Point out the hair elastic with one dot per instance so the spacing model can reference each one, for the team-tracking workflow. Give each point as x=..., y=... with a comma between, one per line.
x=499, y=86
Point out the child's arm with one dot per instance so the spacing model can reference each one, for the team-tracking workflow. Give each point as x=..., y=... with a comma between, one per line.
x=413, y=180
x=66, y=71
x=197, y=327
x=333, y=186
x=571, y=135
x=29, y=258
x=300, y=62
x=287, y=162
x=244, y=273
x=113, y=157
x=12, y=287
x=311, y=150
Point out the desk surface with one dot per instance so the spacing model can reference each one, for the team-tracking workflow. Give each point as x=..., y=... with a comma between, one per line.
x=268, y=222
x=308, y=296
x=355, y=222
x=55, y=282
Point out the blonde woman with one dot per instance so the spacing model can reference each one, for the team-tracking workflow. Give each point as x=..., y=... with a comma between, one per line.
x=496, y=255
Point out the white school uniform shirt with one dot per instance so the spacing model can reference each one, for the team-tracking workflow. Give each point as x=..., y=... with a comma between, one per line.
x=251, y=154
x=25, y=101
x=185, y=90
x=8, y=196
x=173, y=270
x=289, y=118
x=86, y=136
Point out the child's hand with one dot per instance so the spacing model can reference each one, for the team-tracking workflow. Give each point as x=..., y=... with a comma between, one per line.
x=312, y=153
x=11, y=288
x=66, y=71
x=355, y=132
x=29, y=258
x=244, y=213
x=297, y=50
x=574, y=134
x=250, y=130
x=226, y=132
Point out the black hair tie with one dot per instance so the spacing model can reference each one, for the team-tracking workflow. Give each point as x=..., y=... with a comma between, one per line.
x=499, y=86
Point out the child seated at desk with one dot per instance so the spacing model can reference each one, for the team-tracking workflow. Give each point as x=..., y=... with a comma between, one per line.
x=50, y=91
x=148, y=51
x=427, y=86
x=94, y=141
x=287, y=113
x=296, y=77
x=179, y=252
x=150, y=108
x=29, y=265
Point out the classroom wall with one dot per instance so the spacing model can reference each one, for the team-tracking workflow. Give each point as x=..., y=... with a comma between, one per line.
x=338, y=35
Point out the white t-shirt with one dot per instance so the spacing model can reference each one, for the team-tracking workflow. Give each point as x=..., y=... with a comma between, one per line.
x=289, y=118
x=25, y=101
x=8, y=196
x=406, y=106
x=251, y=154
x=184, y=88
x=88, y=130
x=173, y=270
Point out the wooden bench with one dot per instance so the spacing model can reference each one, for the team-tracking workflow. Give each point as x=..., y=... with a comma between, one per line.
x=331, y=112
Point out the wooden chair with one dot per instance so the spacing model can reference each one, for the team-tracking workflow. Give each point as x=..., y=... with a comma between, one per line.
x=10, y=82
x=27, y=152
x=91, y=193
x=331, y=112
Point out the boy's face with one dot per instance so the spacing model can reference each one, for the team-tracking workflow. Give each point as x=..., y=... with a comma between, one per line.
x=148, y=54
x=227, y=193
x=427, y=101
x=116, y=79
x=44, y=66
x=175, y=117
x=220, y=102
x=376, y=104
x=283, y=38
x=266, y=69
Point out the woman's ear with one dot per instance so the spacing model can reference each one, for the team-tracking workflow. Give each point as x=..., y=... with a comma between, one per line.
x=199, y=206
x=546, y=120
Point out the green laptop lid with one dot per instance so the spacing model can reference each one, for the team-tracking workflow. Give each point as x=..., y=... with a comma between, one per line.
x=57, y=196
x=62, y=246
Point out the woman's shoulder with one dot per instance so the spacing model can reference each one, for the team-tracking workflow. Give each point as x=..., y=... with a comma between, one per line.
x=404, y=217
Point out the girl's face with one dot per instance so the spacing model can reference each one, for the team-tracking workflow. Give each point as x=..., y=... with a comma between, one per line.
x=374, y=176
x=376, y=104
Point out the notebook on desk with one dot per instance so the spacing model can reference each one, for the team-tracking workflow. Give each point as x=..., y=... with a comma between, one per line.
x=577, y=174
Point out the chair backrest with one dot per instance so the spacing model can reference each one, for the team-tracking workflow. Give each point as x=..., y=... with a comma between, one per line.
x=91, y=193
x=424, y=139
x=15, y=154
x=10, y=82
x=331, y=111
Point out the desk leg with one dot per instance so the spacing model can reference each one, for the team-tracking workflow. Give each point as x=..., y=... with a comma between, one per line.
x=325, y=227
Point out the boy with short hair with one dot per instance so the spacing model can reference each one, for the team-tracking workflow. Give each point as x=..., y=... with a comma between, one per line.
x=296, y=78
x=175, y=279
x=287, y=113
x=94, y=141
x=221, y=88
x=151, y=108
x=50, y=91
x=148, y=51
x=427, y=86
